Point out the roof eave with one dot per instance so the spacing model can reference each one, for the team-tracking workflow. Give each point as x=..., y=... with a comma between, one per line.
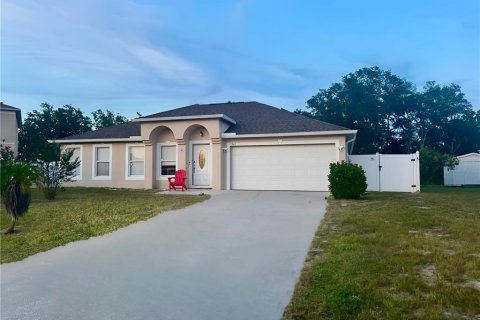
x=288, y=134
x=98, y=140
x=468, y=154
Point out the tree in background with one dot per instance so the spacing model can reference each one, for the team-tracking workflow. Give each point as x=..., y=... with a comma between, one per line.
x=375, y=102
x=103, y=119
x=391, y=116
x=46, y=124
x=432, y=163
x=49, y=123
x=55, y=171
x=445, y=120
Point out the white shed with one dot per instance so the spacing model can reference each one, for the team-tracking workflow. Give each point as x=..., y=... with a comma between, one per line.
x=466, y=173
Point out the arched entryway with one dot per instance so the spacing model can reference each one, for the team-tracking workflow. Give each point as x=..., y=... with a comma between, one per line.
x=165, y=155
x=199, y=157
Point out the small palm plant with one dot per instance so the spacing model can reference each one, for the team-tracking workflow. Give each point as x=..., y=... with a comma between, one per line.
x=16, y=179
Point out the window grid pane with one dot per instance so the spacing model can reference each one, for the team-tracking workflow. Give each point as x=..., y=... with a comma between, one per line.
x=103, y=169
x=168, y=170
x=136, y=168
x=75, y=154
x=76, y=172
x=169, y=153
x=137, y=153
x=103, y=154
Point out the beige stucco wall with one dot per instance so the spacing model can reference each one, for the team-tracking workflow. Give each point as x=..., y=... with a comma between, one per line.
x=118, y=167
x=9, y=130
x=182, y=134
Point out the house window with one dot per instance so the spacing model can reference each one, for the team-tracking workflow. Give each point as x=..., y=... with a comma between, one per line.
x=77, y=154
x=102, y=162
x=136, y=160
x=168, y=160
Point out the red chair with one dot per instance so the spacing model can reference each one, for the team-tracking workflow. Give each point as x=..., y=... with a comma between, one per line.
x=178, y=181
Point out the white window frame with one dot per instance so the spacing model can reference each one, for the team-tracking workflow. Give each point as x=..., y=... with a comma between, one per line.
x=94, y=162
x=159, y=175
x=80, y=158
x=127, y=162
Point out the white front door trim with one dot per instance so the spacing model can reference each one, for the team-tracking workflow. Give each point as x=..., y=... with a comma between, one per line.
x=280, y=142
x=190, y=167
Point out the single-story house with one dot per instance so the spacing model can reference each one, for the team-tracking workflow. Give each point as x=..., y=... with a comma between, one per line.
x=234, y=145
x=467, y=172
x=10, y=122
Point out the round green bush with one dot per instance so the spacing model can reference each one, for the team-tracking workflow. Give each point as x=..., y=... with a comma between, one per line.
x=347, y=180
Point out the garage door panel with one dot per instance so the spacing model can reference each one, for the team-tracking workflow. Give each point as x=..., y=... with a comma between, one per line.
x=287, y=167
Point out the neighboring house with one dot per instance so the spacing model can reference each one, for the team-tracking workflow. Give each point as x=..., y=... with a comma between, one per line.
x=10, y=122
x=466, y=173
x=242, y=146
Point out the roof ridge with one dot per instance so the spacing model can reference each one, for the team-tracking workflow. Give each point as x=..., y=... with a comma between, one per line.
x=228, y=102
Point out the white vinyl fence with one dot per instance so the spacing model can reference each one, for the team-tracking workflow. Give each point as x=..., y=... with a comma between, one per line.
x=390, y=172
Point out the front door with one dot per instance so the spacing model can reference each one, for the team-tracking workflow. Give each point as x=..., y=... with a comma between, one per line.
x=201, y=165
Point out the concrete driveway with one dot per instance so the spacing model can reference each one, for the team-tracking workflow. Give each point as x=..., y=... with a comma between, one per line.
x=235, y=256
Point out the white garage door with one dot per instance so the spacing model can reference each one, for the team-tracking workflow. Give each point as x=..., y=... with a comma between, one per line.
x=287, y=167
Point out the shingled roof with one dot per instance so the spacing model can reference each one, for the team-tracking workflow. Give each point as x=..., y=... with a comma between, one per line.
x=250, y=118
x=120, y=131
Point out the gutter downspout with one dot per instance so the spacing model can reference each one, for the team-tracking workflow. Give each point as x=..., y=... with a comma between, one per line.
x=352, y=141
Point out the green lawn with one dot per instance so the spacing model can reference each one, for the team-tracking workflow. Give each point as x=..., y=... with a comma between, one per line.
x=394, y=256
x=81, y=213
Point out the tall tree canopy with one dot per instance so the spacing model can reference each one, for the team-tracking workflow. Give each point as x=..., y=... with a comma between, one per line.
x=446, y=121
x=49, y=123
x=391, y=116
x=103, y=119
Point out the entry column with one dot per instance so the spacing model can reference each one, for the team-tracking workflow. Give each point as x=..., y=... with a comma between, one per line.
x=216, y=164
x=148, y=175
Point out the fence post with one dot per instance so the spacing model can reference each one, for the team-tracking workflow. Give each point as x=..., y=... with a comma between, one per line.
x=379, y=172
x=417, y=170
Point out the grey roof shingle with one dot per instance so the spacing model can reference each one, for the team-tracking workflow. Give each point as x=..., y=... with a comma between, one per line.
x=250, y=118
x=119, y=131
x=253, y=118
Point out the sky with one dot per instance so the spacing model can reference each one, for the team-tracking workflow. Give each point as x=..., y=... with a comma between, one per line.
x=147, y=56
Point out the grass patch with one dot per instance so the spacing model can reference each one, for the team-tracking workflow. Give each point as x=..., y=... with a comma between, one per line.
x=81, y=213
x=394, y=256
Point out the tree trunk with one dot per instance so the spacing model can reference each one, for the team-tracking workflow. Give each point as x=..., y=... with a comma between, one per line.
x=11, y=228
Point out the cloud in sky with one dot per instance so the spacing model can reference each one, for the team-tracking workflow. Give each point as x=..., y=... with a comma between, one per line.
x=147, y=56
